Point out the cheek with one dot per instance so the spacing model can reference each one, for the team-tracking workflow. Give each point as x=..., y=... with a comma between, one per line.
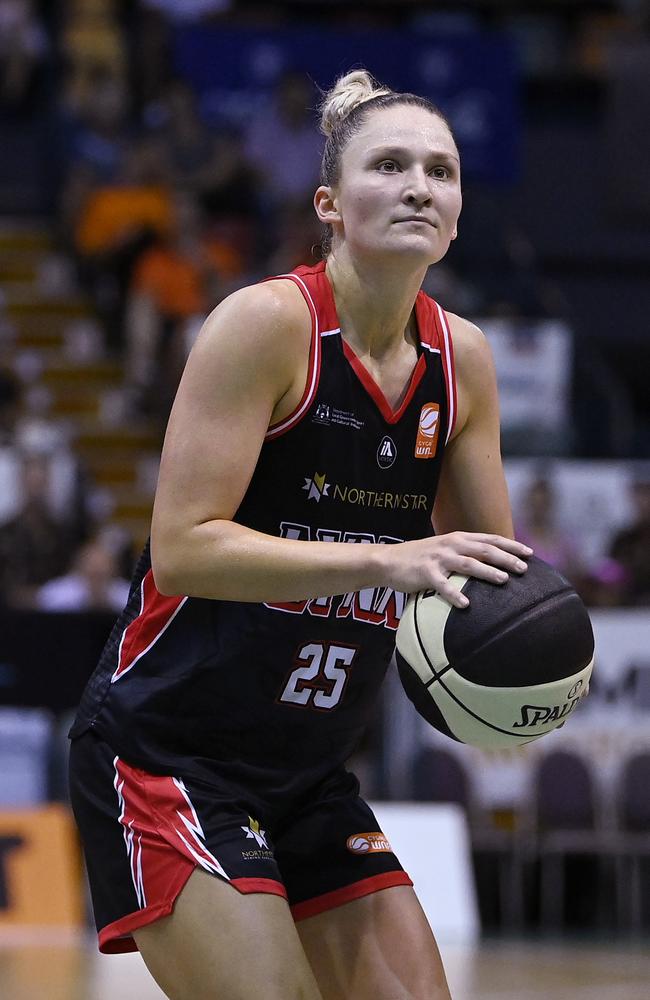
x=452, y=205
x=362, y=204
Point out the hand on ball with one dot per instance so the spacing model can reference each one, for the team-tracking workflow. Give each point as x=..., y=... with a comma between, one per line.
x=427, y=563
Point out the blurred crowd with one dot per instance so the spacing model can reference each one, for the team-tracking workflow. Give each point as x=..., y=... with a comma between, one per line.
x=162, y=212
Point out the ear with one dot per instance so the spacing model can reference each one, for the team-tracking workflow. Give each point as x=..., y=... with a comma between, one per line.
x=325, y=203
x=454, y=235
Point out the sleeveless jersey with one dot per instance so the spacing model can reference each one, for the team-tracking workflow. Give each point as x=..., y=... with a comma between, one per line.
x=288, y=685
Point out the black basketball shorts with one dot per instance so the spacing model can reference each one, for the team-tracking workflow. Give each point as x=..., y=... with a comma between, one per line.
x=144, y=834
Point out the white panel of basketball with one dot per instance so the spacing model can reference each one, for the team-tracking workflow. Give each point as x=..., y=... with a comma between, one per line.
x=438, y=610
x=517, y=714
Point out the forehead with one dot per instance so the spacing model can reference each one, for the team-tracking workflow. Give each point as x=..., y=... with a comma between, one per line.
x=404, y=125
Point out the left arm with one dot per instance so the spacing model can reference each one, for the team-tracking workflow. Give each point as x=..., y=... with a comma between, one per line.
x=472, y=493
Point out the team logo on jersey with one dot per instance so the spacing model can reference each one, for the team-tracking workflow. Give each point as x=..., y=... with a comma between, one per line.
x=316, y=487
x=322, y=414
x=368, y=843
x=253, y=832
x=428, y=428
x=386, y=453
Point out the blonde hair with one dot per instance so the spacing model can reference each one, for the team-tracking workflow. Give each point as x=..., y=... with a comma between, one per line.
x=348, y=93
x=344, y=110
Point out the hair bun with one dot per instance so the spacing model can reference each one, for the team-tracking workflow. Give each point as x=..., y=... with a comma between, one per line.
x=348, y=93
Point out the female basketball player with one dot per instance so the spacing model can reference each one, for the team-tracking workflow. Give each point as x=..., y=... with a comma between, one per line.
x=302, y=460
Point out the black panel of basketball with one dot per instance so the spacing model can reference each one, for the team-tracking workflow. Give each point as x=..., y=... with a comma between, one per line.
x=535, y=623
x=507, y=669
x=417, y=693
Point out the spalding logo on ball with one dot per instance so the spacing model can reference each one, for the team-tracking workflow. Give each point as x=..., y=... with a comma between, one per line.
x=504, y=671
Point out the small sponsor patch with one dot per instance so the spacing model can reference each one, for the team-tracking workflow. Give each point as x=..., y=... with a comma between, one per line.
x=368, y=843
x=428, y=428
x=386, y=453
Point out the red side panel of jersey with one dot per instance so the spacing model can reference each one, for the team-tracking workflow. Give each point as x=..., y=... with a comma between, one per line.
x=156, y=615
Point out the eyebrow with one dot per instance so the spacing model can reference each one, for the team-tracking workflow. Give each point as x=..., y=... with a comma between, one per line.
x=435, y=154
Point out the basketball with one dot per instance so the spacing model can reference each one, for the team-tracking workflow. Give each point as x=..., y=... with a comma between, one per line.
x=506, y=670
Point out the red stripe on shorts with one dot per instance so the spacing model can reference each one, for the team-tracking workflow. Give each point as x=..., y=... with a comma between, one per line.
x=348, y=893
x=164, y=843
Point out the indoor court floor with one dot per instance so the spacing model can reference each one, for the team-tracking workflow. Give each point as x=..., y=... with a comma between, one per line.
x=494, y=970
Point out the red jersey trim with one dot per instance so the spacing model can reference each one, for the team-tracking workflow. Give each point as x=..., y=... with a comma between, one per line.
x=390, y=416
x=154, y=618
x=313, y=371
x=449, y=368
x=330, y=900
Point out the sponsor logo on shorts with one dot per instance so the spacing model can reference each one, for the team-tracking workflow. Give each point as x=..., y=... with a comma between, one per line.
x=426, y=441
x=368, y=843
x=253, y=832
x=257, y=855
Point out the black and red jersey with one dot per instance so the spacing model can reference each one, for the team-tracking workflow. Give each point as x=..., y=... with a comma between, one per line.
x=291, y=684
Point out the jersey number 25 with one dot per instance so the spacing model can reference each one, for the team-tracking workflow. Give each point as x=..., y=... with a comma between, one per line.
x=320, y=677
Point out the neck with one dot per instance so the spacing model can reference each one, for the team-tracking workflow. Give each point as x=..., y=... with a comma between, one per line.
x=374, y=301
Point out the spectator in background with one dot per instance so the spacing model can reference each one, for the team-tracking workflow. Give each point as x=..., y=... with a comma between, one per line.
x=95, y=141
x=115, y=224
x=176, y=120
x=537, y=526
x=212, y=166
x=93, y=584
x=630, y=547
x=97, y=135
x=175, y=283
x=92, y=45
x=232, y=199
x=23, y=48
x=23, y=433
x=282, y=142
x=34, y=544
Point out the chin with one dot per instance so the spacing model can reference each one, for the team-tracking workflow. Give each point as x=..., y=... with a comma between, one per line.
x=418, y=249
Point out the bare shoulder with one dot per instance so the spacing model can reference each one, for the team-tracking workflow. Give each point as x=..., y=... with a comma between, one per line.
x=470, y=344
x=475, y=375
x=258, y=337
x=261, y=314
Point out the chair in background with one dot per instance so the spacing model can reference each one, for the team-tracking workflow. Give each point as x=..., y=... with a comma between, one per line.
x=635, y=686
x=569, y=822
x=440, y=775
x=25, y=741
x=633, y=834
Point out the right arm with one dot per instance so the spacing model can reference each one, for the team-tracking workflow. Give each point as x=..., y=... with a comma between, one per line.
x=246, y=371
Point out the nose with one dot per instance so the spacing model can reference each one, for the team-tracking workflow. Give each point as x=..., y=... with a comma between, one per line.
x=417, y=192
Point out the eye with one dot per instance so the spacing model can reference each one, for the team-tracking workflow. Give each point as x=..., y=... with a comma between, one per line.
x=388, y=166
x=440, y=173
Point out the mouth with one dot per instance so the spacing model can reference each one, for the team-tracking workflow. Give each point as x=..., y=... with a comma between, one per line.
x=416, y=218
